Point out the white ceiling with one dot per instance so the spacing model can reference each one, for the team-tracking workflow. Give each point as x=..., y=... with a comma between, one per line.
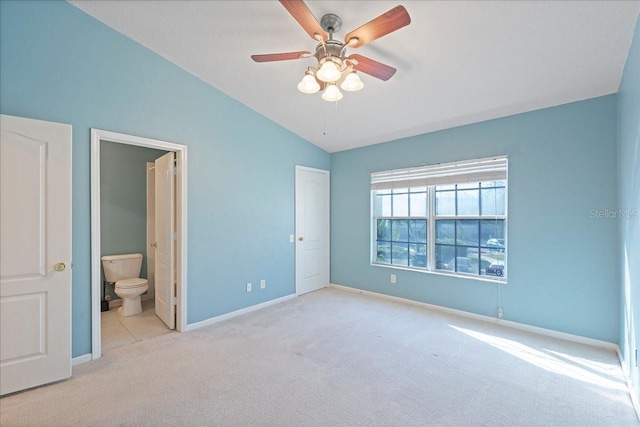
x=458, y=62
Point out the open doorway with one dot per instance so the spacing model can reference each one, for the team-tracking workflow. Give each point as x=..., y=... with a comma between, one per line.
x=179, y=281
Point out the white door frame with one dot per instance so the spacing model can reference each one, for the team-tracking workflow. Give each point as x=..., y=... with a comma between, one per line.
x=98, y=136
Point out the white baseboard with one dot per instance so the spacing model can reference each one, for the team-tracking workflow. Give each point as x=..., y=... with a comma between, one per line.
x=211, y=321
x=81, y=359
x=515, y=325
x=627, y=377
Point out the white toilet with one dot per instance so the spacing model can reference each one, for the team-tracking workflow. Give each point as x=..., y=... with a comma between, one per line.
x=123, y=270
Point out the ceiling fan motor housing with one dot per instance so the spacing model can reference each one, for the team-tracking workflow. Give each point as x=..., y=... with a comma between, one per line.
x=333, y=48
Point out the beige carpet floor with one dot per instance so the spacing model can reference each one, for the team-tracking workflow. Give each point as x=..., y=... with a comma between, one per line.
x=336, y=358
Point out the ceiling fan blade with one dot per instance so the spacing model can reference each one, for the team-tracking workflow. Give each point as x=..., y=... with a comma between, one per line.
x=301, y=13
x=384, y=24
x=270, y=57
x=373, y=68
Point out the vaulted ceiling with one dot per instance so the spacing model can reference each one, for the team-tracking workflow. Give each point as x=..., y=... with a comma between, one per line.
x=458, y=62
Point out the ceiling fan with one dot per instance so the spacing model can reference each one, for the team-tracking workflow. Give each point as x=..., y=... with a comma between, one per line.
x=334, y=66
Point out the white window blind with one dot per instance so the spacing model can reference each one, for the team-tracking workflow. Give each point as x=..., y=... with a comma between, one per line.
x=488, y=169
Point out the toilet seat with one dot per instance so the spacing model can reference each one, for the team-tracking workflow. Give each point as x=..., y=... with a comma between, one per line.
x=131, y=283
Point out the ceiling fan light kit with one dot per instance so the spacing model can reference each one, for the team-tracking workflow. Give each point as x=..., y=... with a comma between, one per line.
x=332, y=93
x=309, y=84
x=334, y=67
x=329, y=69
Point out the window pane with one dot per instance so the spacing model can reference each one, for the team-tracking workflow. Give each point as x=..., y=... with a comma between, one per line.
x=492, y=233
x=492, y=267
x=468, y=202
x=400, y=253
x=418, y=255
x=487, y=184
x=400, y=190
x=445, y=257
x=445, y=187
x=491, y=184
x=445, y=203
x=383, y=250
x=493, y=201
x=384, y=229
x=464, y=262
x=418, y=204
x=467, y=232
x=468, y=185
x=400, y=230
x=418, y=231
x=383, y=205
x=400, y=204
x=445, y=231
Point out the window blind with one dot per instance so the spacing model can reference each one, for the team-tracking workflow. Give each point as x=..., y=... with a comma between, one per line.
x=488, y=169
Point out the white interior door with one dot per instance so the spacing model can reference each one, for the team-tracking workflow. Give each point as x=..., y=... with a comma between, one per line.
x=164, y=235
x=312, y=229
x=35, y=253
x=151, y=228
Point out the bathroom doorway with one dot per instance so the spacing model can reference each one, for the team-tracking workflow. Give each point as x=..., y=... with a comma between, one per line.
x=119, y=225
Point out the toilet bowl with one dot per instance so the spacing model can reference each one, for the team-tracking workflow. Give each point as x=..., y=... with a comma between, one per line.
x=123, y=271
x=130, y=290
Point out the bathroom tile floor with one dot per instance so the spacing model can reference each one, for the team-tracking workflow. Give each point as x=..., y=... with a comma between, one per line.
x=118, y=330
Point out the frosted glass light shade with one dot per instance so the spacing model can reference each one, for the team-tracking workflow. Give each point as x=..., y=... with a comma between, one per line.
x=352, y=82
x=332, y=93
x=308, y=84
x=329, y=72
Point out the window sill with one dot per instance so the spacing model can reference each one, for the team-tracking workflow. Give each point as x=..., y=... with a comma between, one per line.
x=502, y=281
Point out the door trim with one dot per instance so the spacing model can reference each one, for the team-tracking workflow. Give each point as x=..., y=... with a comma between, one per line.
x=98, y=136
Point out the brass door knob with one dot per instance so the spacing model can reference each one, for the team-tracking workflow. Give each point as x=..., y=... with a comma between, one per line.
x=59, y=266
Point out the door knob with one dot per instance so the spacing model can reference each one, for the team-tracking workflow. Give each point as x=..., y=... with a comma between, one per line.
x=301, y=238
x=154, y=245
x=59, y=266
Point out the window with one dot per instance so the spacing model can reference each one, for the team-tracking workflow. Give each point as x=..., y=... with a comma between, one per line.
x=449, y=218
x=401, y=226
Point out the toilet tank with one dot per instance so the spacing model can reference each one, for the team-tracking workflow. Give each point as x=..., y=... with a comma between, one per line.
x=119, y=267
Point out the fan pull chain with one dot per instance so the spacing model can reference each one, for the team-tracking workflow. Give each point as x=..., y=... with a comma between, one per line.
x=325, y=120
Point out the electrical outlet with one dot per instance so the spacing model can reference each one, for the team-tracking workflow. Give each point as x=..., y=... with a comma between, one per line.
x=500, y=312
x=249, y=287
x=263, y=284
x=393, y=278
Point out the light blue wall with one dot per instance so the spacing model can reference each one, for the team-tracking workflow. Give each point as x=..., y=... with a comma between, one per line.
x=629, y=201
x=563, y=268
x=123, y=200
x=61, y=65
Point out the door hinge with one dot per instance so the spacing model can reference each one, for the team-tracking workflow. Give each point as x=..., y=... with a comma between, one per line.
x=636, y=357
x=174, y=170
x=174, y=301
x=175, y=236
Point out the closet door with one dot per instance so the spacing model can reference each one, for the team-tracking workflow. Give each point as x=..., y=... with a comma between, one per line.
x=35, y=253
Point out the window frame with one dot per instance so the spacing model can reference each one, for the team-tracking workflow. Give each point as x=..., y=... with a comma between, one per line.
x=431, y=219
